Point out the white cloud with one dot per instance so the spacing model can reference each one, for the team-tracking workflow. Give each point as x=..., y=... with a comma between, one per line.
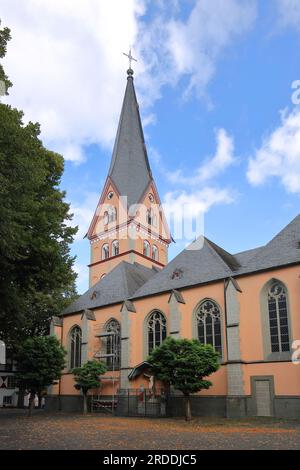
x=66, y=63
x=173, y=48
x=65, y=60
x=289, y=13
x=223, y=158
x=83, y=213
x=82, y=280
x=185, y=211
x=279, y=155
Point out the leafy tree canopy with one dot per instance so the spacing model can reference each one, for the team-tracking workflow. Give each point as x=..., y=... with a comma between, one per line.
x=88, y=376
x=184, y=364
x=40, y=362
x=4, y=38
x=36, y=276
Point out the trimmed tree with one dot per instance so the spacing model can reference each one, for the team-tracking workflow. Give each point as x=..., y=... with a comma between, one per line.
x=88, y=377
x=41, y=360
x=184, y=364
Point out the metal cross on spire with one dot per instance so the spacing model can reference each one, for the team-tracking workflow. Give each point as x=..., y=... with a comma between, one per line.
x=130, y=58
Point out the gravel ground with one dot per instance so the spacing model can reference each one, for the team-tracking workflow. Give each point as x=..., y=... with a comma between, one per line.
x=74, y=431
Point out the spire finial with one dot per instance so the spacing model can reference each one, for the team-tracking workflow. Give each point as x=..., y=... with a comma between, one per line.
x=130, y=58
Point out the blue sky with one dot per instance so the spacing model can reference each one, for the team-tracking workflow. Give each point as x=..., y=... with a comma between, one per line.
x=214, y=81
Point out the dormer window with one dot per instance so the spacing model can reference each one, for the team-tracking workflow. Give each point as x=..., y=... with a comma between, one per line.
x=177, y=274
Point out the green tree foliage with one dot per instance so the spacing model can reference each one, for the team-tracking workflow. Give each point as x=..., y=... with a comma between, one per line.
x=40, y=362
x=36, y=276
x=184, y=364
x=88, y=377
x=4, y=38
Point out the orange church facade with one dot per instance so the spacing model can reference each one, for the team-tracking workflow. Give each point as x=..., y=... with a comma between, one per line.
x=247, y=305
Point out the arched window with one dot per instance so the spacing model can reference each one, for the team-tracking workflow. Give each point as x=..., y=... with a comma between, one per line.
x=105, y=218
x=103, y=276
x=146, y=249
x=155, y=252
x=105, y=251
x=112, y=214
x=115, y=248
x=75, y=347
x=157, y=330
x=113, y=345
x=208, y=319
x=151, y=218
x=278, y=317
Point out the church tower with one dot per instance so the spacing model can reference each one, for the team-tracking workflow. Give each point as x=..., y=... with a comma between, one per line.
x=129, y=223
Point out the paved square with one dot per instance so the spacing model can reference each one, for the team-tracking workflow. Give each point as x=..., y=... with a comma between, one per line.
x=69, y=431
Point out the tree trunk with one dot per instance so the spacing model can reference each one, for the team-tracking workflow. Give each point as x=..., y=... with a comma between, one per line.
x=84, y=403
x=39, y=400
x=188, y=413
x=21, y=395
x=31, y=403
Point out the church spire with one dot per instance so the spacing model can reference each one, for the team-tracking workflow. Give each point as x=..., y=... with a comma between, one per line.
x=130, y=170
x=118, y=233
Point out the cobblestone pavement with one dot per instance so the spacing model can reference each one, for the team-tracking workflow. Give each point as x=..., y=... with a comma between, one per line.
x=74, y=431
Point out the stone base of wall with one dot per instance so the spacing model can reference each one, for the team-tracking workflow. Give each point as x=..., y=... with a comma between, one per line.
x=237, y=407
x=200, y=406
x=287, y=407
x=282, y=407
x=68, y=403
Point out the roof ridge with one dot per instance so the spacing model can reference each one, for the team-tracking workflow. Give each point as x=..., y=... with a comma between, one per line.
x=227, y=258
x=284, y=229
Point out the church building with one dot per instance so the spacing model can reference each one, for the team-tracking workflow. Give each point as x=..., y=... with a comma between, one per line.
x=247, y=305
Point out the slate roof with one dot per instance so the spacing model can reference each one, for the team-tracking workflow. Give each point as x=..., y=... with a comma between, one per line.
x=118, y=285
x=191, y=267
x=283, y=249
x=130, y=170
x=212, y=263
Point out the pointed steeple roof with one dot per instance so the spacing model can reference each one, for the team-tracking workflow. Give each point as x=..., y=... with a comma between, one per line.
x=130, y=170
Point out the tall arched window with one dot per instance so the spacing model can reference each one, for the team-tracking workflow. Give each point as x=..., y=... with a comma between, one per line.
x=113, y=344
x=105, y=218
x=112, y=214
x=278, y=317
x=75, y=347
x=157, y=330
x=208, y=319
x=151, y=218
x=146, y=249
x=105, y=251
x=115, y=248
x=155, y=252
